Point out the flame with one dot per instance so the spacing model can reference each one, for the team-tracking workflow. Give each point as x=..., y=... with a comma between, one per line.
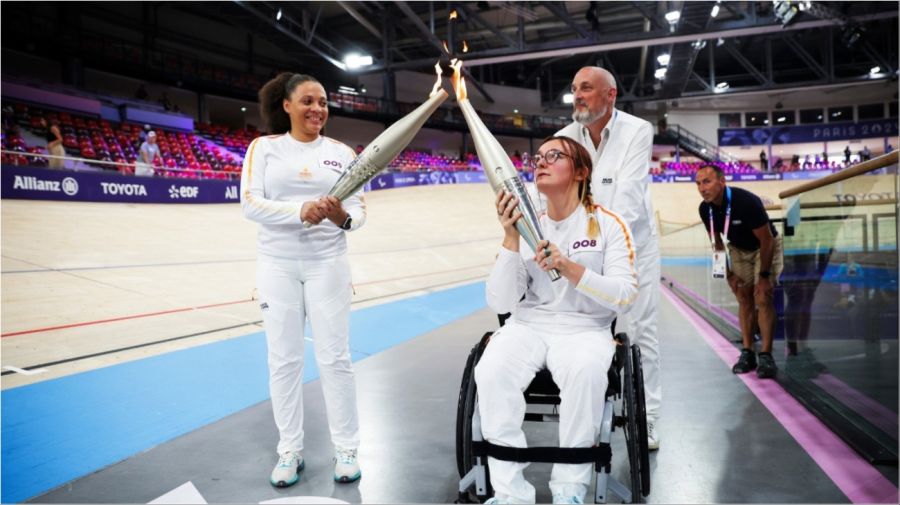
x=453, y=14
x=465, y=47
x=437, y=84
x=445, y=46
x=459, y=82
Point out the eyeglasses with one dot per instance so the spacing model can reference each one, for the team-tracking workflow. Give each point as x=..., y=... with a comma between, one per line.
x=550, y=157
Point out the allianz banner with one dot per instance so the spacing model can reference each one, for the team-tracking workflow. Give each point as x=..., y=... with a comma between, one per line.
x=44, y=184
x=836, y=132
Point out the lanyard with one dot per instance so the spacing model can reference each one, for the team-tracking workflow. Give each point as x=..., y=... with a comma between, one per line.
x=712, y=222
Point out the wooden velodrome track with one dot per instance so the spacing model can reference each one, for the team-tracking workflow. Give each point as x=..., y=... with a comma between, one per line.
x=84, y=282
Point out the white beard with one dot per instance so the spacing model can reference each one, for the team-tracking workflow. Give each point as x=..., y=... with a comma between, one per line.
x=586, y=118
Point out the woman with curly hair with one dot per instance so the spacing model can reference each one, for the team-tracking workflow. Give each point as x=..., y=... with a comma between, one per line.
x=303, y=272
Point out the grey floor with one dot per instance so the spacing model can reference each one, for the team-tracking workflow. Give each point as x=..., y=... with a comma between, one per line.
x=718, y=443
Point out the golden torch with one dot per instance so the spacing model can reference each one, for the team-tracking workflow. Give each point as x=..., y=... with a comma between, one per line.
x=386, y=146
x=498, y=168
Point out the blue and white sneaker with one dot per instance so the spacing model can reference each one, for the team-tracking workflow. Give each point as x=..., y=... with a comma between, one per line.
x=346, y=465
x=287, y=470
x=495, y=501
x=559, y=498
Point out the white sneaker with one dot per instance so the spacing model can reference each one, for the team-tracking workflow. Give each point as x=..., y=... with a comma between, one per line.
x=560, y=498
x=495, y=501
x=346, y=466
x=287, y=470
x=652, y=437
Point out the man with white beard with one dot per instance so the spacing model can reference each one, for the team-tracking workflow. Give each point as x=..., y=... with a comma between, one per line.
x=620, y=146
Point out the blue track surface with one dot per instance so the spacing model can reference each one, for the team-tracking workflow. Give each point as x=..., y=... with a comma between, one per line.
x=61, y=429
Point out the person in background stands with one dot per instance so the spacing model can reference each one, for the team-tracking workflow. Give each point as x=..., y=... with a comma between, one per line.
x=54, y=143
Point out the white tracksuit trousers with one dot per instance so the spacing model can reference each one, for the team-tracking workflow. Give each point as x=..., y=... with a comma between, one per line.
x=289, y=292
x=640, y=325
x=579, y=360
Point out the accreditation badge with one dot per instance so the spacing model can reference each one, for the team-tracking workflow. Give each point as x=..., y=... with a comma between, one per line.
x=720, y=264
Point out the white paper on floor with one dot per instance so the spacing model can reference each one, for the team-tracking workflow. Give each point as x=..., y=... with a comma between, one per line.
x=185, y=493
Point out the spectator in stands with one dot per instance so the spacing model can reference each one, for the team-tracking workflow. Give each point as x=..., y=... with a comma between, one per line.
x=165, y=102
x=148, y=155
x=847, y=155
x=621, y=146
x=888, y=149
x=141, y=92
x=303, y=272
x=751, y=262
x=825, y=158
x=763, y=161
x=54, y=143
x=865, y=154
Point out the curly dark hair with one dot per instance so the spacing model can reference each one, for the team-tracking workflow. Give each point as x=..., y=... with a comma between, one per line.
x=271, y=98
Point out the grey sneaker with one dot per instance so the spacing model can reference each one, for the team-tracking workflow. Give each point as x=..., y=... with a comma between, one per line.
x=652, y=437
x=745, y=363
x=287, y=470
x=346, y=465
x=560, y=498
x=767, y=368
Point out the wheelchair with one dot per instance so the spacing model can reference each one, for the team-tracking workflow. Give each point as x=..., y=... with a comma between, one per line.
x=626, y=383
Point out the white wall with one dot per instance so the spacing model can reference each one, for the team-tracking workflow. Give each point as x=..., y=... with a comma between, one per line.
x=704, y=124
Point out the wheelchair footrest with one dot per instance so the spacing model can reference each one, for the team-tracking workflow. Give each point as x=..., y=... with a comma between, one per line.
x=599, y=454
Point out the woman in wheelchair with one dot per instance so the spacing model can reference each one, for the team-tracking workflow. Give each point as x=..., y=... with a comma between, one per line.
x=563, y=326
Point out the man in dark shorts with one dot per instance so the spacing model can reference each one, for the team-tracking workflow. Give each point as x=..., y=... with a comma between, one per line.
x=751, y=262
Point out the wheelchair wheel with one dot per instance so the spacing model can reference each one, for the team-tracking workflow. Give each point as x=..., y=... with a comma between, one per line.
x=465, y=460
x=632, y=431
x=641, y=411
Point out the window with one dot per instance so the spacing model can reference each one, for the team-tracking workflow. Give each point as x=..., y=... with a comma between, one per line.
x=782, y=117
x=811, y=116
x=870, y=111
x=757, y=118
x=840, y=114
x=892, y=109
x=730, y=120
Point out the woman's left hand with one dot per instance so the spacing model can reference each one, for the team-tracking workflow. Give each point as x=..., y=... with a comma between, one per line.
x=333, y=209
x=548, y=257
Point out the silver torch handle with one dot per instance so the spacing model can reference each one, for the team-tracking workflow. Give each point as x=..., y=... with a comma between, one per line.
x=528, y=224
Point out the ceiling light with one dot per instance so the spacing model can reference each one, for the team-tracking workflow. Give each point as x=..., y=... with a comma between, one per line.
x=765, y=121
x=720, y=42
x=698, y=44
x=278, y=15
x=568, y=98
x=663, y=59
x=673, y=16
x=715, y=11
x=781, y=119
x=660, y=73
x=874, y=70
x=515, y=111
x=721, y=87
x=354, y=60
x=243, y=109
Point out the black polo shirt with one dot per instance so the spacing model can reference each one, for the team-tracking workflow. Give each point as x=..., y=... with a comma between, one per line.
x=747, y=214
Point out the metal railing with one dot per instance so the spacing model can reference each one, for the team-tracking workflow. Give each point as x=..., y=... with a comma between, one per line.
x=694, y=143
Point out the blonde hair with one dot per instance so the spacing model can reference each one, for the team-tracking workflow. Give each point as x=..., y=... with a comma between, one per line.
x=582, y=159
